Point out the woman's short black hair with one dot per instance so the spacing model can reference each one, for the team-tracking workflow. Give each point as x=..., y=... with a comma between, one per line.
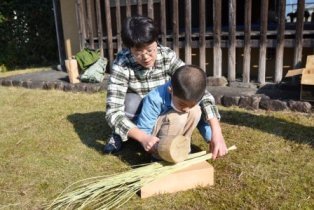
x=138, y=31
x=189, y=83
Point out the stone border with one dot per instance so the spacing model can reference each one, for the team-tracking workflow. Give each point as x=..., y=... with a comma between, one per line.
x=57, y=85
x=253, y=102
x=256, y=102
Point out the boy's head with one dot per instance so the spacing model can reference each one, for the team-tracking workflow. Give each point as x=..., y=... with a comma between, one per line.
x=188, y=84
x=140, y=35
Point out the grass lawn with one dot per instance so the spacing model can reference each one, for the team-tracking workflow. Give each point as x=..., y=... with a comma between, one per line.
x=50, y=139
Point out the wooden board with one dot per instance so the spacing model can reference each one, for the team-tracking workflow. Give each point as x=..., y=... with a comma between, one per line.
x=197, y=175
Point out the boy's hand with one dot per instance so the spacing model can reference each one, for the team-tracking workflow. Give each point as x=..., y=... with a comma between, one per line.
x=217, y=145
x=149, y=143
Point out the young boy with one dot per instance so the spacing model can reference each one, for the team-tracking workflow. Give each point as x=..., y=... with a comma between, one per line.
x=173, y=108
x=140, y=67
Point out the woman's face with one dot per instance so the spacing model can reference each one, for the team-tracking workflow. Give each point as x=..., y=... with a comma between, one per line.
x=145, y=56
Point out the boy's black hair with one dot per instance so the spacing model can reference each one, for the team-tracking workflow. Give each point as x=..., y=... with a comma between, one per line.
x=189, y=83
x=138, y=31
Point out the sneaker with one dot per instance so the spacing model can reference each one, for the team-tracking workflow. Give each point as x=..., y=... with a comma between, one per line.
x=113, y=145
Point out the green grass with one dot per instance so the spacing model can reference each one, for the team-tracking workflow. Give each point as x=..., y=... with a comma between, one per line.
x=50, y=139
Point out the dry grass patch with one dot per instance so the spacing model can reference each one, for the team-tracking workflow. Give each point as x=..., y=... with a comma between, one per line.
x=23, y=71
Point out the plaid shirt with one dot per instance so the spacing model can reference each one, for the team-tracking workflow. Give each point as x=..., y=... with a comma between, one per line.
x=128, y=76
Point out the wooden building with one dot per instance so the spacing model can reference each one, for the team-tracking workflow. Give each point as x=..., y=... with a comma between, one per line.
x=246, y=40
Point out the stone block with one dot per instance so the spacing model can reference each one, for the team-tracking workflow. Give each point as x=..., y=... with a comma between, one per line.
x=230, y=101
x=273, y=105
x=300, y=106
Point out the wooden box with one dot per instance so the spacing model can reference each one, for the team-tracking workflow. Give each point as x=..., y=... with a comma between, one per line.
x=307, y=79
x=197, y=175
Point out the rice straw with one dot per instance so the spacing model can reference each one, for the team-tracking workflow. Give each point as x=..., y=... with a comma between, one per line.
x=106, y=192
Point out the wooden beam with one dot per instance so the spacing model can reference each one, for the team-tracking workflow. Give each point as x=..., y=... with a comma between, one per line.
x=109, y=31
x=163, y=27
x=297, y=60
x=280, y=41
x=188, y=30
x=175, y=26
x=247, y=41
x=139, y=7
x=118, y=23
x=99, y=28
x=202, y=40
x=232, y=41
x=59, y=31
x=263, y=42
x=90, y=30
x=150, y=8
x=128, y=8
x=80, y=22
x=217, y=38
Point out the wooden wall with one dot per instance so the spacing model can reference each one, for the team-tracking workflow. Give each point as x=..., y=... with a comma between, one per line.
x=221, y=36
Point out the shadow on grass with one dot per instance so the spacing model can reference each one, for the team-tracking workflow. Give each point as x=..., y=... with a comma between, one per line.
x=288, y=130
x=94, y=131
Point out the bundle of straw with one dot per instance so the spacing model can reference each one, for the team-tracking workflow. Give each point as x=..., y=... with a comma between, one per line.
x=106, y=192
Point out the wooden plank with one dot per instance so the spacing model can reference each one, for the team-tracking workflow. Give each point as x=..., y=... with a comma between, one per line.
x=99, y=28
x=217, y=39
x=202, y=40
x=109, y=31
x=59, y=32
x=263, y=42
x=79, y=21
x=150, y=8
x=128, y=8
x=175, y=26
x=280, y=42
x=188, y=30
x=297, y=60
x=232, y=41
x=197, y=175
x=247, y=41
x=118, y=24
x=139, y=7
x=163, y=26
x=90, y=30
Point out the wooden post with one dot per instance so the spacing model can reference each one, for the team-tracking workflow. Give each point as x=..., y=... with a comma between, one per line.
x=139, y=7
x=118, y=22
x=128, y=8
x=163, y=22
x=109, y=31
x=188, y=29
x=90, y=25
x=59, y=32
x=299, y=35
x=232, y=41
x=175, y=27
x=247, y=41
x=202, y=40
x=150, y=8
x=80, y=21
x=280, y=41
x=263, y=42
x=99, y=28
x=217, y=38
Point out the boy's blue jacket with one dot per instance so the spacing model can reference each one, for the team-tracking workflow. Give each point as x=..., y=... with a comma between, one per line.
x=158, y=102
